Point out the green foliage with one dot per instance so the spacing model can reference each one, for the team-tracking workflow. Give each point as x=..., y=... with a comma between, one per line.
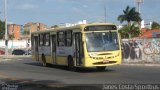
x=155, y=25
x=129, y=31
x=129, y=14
x=26, y=32
x=11, y=37
x=2, y=29
x=55, y=26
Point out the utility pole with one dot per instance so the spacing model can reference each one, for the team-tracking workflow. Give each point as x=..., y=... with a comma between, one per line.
x=138, y=3
x=6, y=32
x=139, y=9
x=105, y=13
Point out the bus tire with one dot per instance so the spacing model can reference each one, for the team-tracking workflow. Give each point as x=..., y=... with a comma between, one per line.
x=71, y=66
x=101, y=68
x=44, y=60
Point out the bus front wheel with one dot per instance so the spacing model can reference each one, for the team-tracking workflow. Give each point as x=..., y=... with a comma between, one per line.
x=101, y=68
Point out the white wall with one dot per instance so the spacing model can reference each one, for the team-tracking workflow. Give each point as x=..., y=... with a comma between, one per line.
x=15, y=44
x=141, y=50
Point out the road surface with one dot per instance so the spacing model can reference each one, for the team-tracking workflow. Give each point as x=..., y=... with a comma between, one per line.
x=26, y=73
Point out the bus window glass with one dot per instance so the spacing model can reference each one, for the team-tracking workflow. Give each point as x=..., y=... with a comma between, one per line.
x=61, y=38
x=47, y=39
x=41, y=39
x=68, y=38
x=102, y=41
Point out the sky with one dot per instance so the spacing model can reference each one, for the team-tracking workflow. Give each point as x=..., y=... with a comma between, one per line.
x=55, y=12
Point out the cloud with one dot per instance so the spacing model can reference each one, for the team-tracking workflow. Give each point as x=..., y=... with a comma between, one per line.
x=85, y=6
x=77, y=10
x=27, y=6
x=48, y=0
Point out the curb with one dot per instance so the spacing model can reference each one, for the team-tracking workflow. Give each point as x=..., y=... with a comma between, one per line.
x=157, y=65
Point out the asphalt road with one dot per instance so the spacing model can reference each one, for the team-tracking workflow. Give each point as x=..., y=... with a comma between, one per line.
x=28, y=74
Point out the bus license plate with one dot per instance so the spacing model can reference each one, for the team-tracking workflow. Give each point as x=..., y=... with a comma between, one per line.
x=105, y=61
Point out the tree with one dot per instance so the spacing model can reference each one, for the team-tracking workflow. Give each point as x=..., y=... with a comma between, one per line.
x=11, y=36
x=155, y=25
x=129, y=31
x=55, y=26
x=26, y=32
x=2, y=29
x=129, y=14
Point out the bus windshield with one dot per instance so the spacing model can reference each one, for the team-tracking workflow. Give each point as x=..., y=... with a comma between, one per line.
x=102, y=41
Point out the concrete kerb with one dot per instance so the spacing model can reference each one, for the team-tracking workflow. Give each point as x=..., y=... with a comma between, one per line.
x=157, y=65
x=10, y=57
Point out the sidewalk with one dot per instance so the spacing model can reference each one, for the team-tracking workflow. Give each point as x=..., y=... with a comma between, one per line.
x=10, y=57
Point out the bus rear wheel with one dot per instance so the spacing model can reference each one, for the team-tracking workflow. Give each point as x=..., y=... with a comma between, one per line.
x=101, y=68
x=71, y=66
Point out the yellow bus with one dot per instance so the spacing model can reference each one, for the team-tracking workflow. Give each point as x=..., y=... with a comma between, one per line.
x=85, y=45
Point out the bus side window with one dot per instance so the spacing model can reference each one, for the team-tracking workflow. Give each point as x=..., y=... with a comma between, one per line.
x=47, y=39
x=61, y=38
x=41, y=40
x=68, y=38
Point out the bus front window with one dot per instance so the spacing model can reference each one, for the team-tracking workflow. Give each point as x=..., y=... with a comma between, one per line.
x=102, y=41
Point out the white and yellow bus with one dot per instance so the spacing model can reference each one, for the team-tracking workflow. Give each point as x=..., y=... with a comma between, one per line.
x=86, y=45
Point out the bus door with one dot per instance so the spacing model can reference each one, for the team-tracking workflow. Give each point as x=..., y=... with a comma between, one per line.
x=53, y=48
x=36, y=48
x=78, y=48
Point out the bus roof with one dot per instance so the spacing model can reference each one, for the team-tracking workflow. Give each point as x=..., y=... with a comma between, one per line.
x=72, y=27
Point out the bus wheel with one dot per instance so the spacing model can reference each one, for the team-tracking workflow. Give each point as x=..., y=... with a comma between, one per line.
x=71, y=66
x=101, y=68
x=44, y=60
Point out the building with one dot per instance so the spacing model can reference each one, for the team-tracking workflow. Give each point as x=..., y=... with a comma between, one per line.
x=14, y=31
x=32, y=27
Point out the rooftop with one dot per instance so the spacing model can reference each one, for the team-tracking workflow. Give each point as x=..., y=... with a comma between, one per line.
x=147, y=33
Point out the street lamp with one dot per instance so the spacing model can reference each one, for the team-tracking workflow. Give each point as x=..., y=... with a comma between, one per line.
x=6, y=32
